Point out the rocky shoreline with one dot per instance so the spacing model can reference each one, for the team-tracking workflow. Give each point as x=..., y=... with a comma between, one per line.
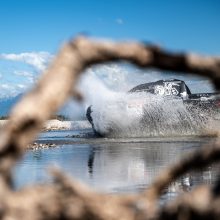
x=37, y=146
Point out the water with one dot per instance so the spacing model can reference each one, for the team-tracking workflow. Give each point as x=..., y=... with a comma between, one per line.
x=112, y=165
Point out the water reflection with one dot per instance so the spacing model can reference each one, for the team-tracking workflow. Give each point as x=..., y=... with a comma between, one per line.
x=91, y=161
x=114, y=167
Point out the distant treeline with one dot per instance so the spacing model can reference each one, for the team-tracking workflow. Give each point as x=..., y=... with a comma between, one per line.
x=58, y=117
x=4, y=117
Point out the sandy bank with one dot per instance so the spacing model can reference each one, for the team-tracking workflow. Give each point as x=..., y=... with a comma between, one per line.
x=59, y=125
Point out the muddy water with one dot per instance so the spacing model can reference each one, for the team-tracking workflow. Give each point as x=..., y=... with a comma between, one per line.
x=112, y=165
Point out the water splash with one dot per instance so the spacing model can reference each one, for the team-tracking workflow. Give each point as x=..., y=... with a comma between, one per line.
x=143, y=115
x=117, y=113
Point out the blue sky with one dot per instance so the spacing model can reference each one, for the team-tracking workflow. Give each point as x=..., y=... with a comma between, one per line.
x=33, y=30
x=41, y=25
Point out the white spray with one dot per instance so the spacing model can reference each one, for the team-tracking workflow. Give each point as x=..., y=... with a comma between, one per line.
x=115, y=112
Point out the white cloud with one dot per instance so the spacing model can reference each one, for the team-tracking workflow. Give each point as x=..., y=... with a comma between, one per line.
x=26, y=75
x=23, y=73
x=5, y=86
x=39, y=60
x=5, y=90
x=8, y=90
x=19, y=72
x=21, y=86
x=119, y=21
